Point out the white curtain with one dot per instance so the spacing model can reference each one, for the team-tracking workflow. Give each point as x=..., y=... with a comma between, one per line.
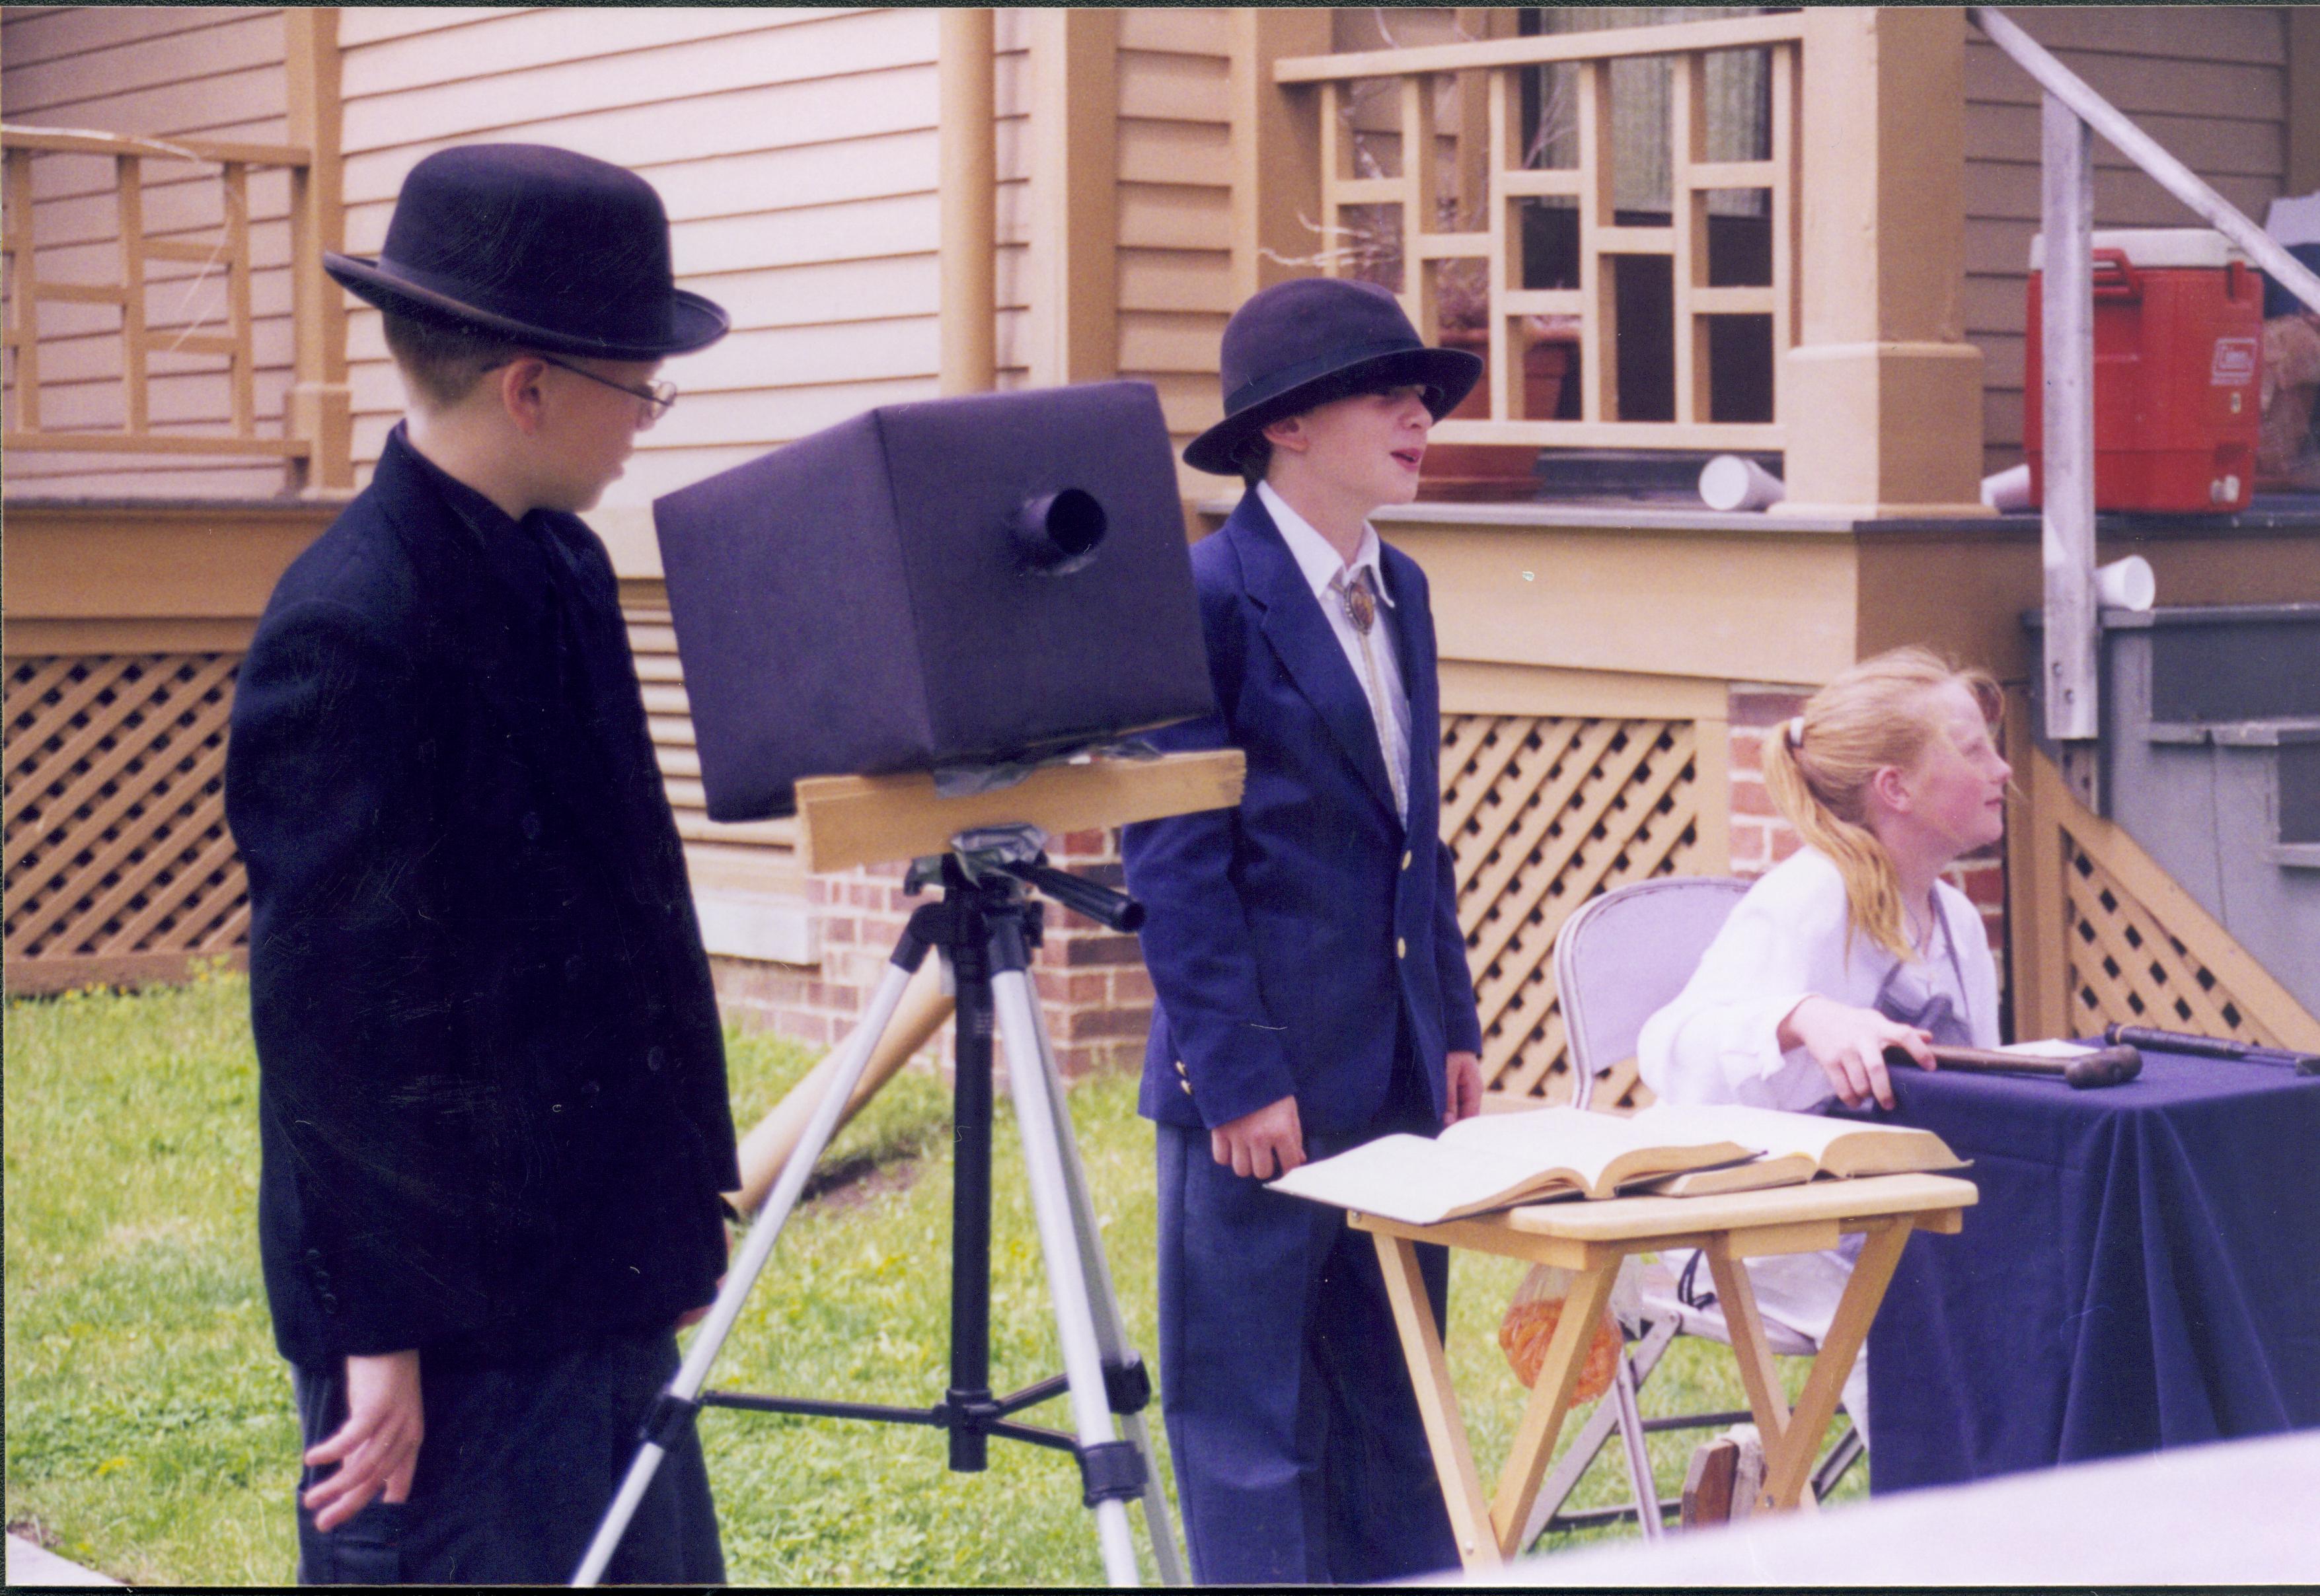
x=1738, y=94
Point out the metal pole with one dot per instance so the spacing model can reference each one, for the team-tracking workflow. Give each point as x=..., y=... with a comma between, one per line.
x=970, y=1199
x=2066, y=304
x=1050, y=1203
x=1103, y=1302
x=755, y=1251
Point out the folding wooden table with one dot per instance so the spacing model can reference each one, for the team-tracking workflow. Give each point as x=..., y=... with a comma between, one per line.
x=1590, y=1238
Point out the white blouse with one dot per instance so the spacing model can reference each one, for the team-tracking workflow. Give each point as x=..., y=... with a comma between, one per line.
x=1785, y=941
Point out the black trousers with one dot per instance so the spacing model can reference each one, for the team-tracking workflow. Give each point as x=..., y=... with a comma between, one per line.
x=518, y=1464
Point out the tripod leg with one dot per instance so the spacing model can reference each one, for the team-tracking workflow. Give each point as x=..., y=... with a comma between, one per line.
x=1103, y=1301
x=678, y=1403
x=1067, y=1282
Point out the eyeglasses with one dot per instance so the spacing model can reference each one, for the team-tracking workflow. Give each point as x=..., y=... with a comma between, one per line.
x=658, y=397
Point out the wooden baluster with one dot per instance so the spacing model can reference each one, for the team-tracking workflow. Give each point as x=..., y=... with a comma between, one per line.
x=1598, y=330
x=128, y=171
x=1783, y=207
x=1418, y=207
x=23, y=302
x=240, y=379
x=1500, y=216
x=1336, y=165
x=1687, y=213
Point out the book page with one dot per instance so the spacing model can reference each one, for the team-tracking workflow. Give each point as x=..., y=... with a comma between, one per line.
x=1494, y=1160
x=1837, y=1146
x=1412, y=1180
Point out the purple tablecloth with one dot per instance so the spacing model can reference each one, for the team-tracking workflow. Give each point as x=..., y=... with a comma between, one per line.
x=2142, y=1271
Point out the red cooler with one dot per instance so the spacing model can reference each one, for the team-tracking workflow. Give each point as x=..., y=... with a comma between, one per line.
x=2179, y=342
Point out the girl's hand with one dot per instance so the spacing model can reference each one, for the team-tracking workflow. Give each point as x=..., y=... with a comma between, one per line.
x=1849, y=1045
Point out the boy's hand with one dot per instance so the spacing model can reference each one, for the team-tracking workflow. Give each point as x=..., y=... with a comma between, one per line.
x=1258, y=1141
x=1465, y=1096
x=376, y=1450
x=1849, y=1045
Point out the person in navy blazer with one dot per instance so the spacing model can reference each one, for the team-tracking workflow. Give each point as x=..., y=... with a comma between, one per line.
x=1313, y=991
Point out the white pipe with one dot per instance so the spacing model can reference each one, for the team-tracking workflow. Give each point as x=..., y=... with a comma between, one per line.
x=2071, y=646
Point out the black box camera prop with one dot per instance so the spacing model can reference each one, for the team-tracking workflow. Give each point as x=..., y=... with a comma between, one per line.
x=965, y=581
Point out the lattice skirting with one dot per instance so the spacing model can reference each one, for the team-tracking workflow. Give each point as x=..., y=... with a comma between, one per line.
x=119, y=864
x=1541, y=813
x=2112, y=938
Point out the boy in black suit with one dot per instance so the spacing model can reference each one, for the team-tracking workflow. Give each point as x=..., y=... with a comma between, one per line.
x=492, y=1100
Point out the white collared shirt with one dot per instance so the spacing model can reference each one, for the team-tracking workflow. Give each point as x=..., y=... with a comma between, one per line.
x=1371, y=659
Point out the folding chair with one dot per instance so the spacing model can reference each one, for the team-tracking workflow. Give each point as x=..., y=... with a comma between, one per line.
x=1619, y=960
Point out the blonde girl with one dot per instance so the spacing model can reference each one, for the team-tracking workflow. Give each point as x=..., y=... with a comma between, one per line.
x=1854, y=943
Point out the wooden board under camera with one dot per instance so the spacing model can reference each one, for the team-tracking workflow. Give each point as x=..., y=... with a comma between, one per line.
x=843, y=821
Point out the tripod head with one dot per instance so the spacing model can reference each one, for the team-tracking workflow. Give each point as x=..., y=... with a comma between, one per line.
x=1009, y=856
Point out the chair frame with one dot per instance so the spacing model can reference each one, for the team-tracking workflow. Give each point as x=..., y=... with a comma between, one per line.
x=1622, y=1412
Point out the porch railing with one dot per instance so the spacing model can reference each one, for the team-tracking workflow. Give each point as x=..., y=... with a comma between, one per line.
x=313, y=450
x=1501, y=170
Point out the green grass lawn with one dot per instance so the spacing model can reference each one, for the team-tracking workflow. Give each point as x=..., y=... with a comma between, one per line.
x=149, y=1430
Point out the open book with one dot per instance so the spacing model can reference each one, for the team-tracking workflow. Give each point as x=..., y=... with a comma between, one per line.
x=1796, y=1147
x=1498, y=1160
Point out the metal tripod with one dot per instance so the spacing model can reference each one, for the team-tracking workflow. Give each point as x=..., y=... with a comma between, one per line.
x=985, y=925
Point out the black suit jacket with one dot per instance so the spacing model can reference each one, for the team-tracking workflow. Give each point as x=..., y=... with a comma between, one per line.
x=491, y=1084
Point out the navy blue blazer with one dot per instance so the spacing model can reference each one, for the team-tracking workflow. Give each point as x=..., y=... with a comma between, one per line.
x=1292, y=938
x=492, y=1099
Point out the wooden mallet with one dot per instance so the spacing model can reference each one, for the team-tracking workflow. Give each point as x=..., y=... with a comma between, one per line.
x=2104, y=1067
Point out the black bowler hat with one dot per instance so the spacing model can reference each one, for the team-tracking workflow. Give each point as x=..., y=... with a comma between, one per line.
x=1302, y=343
x=540, y=246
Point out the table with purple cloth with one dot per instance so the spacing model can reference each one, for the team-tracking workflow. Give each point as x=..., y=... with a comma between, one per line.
x=2142, y=1271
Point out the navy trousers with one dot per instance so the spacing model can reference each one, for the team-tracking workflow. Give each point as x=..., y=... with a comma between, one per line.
x=518, y=1466
x=1299, y=1452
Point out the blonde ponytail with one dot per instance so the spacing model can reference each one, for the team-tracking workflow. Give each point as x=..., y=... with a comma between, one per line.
x=1818, y=766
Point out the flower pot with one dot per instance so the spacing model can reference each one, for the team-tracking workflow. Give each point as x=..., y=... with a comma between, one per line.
x=1471, y=471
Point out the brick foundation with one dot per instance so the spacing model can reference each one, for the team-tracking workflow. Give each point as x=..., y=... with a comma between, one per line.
x=1091, y=980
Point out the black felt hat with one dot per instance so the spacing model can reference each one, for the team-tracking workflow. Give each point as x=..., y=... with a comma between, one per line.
x=1302, y=343
x=542, y=247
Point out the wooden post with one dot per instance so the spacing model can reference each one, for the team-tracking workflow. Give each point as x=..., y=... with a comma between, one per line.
x=234, y=183
x=1074, y=201
x=318, y=409
x=1881, y=398
x=2303, y=27
x=25, y=310
x=1277, y=132
x=1418, y=191
x=1598, y=330
x=130, y=186
x=969, y=189
x=2073, y=629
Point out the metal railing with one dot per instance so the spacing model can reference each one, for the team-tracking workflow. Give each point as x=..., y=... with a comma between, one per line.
x=312, y=459
x=1500, y=170
x=2071, y=113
